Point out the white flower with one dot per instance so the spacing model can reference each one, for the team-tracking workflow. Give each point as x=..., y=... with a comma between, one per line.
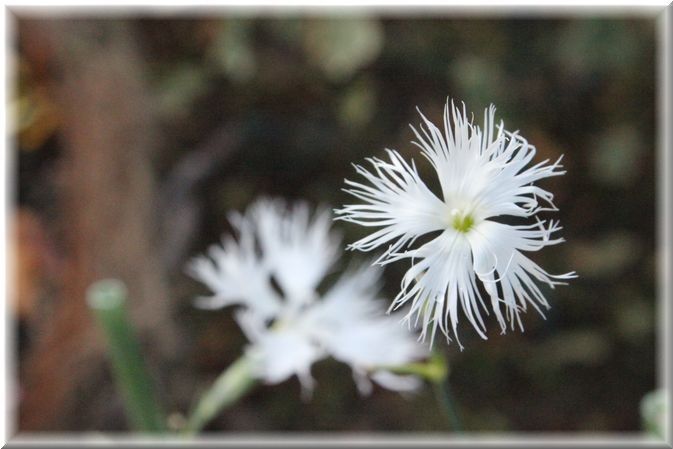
x=484, y=175
x=288, y=324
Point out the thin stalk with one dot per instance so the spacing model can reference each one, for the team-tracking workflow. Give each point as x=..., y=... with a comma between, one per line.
x=443, y=389
x=228, y=388
x=435, y=371
x=107, y=299
x=448, y=403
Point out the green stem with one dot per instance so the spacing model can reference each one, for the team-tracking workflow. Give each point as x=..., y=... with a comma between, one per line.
x=435, y=370
x=107, y=299
x=228, y=388
x=443, y=392
x=442, y=389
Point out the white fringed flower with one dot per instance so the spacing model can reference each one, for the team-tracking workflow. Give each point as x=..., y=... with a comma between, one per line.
x=289, y=325
x=484, y=175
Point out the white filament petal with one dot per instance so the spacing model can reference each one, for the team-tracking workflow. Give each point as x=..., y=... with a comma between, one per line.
x=398, y=201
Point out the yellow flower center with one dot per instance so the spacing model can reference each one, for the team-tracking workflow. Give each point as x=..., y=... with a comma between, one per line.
x=461, y=222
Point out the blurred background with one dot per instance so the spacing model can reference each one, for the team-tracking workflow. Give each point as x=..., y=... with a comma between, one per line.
x=135, y=136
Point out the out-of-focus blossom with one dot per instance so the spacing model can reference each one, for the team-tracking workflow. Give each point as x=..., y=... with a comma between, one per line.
x=654, y=410
x=273, y=270
x=484, y=175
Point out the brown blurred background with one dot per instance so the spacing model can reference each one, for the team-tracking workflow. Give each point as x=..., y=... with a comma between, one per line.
x=135, y=135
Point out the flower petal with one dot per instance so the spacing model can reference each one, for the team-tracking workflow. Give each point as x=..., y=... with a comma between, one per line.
x=396, y=382
x=439, y=283
x=298, y=250
x=236, y=275
x=279, y=354
x=483, y=172
x=397, y=200
x=498, y=262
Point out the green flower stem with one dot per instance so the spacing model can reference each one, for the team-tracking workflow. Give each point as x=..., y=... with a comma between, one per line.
x=443, y=393
x=228, y=388
x=436, y=372
x=107, y=299
x=446, y=399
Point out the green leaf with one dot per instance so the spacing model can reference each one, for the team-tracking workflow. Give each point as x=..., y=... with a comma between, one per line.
x=107, y=299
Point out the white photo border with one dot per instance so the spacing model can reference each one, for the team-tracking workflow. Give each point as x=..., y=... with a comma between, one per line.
x=657, y=10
